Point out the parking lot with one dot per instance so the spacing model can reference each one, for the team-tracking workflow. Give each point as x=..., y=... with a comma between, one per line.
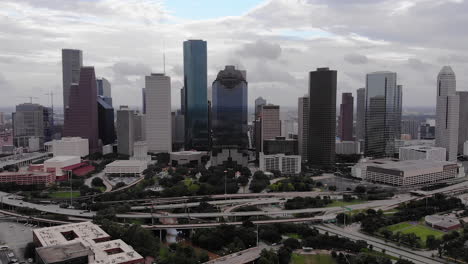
x=16, y=236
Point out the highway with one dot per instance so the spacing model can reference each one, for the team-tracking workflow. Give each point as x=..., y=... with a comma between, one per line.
x=390, y=249
x=244, y=256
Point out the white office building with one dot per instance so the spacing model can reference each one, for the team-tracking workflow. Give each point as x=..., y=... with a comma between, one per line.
x=422, y=152
x=158, y=113
x=447, y=113
x=70, y=146
x=286, y=164
x=135, y=167
x=140, y=151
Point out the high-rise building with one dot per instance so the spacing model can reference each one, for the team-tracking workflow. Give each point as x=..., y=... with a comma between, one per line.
x=139, y=127
x=322, y=117
x=462, y=120
x=410, y=127
x=182, y=100
x=178, y=124
x=229, y=109
x=196, y=100
x=270, y=123
x=106, y=125
x=257, y=134
x=125, y=137
x=103, y=87
x=30, y=121
x=158, y=113
x=383, y=114
x=143, y=96
x=259, y=102
x=447, y=113
x=426, y=131
x=360, y=113
x=345, y=124
x=2, y=118
x=81, y=115
x=303, y=126
x=72, y=61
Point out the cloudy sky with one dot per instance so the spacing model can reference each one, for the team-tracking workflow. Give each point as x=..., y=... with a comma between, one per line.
x=276, y=41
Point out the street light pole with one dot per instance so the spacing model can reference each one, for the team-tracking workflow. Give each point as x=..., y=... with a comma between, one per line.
x=225, y=189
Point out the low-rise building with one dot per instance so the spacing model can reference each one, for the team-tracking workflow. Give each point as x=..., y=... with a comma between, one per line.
x=135, y=167
x=186, y=157
x=411, y=172
x=359, y=170
x=422, y=152
x=82, y=242
x=347, y=147
x=71, y=146
x=286, y=164
x=443, y=222
x=27, y=178
x=56, y=164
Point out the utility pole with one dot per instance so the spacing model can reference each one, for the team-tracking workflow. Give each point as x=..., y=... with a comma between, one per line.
x=225, y=186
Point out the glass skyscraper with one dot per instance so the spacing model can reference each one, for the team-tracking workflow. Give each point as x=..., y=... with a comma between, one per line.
x=383, y=114
x=196, y=101
x=229, y=109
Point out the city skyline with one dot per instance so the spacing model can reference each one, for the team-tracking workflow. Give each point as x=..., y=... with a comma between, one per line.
x=352, y=49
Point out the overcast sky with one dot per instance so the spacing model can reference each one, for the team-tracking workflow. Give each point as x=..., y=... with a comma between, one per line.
x=277, y=41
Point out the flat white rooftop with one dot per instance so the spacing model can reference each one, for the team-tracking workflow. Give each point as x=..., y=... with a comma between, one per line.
x=61, y=158
x=127, y=163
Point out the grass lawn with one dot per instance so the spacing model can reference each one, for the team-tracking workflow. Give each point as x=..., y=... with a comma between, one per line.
x=377, y=254
x=64, y=194
x=293, y=235
x=420, y=230
x=311, y=259
x=339, y=203
x=102, y=188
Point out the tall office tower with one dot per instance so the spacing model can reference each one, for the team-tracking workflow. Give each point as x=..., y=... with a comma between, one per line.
x=229, y=109
x=196, y=100
x=345, y=124
x=106, y=125
x=182, y=100
x=28, y=122
x=270, y=123
x=322, y=117
x=303, y=126
x=259, y=102
x=399, y=112
x=383, y=114
x=2, y=118
x=447, y=113
x=462, y=120
x=143, y=96
x=360, y=113
x=178, y=124
x=72, y=61
x=103, y=87
x=125, y=137
x=48, y=124
x=158, y=113
x=81, y=115
x=410, y=127
x=139, y=127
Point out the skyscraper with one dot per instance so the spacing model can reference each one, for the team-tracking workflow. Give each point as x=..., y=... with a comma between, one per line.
x=196, y=100
x=29, y=121
x=182, y=100
x=229, y=109
x=139, y=127
x=345, y=126
x=462, y=120
x=303, y=126
x=447, y=113
x=125, y=137
x=158, y=113
x=257, y=129
x=360, y=113
x=72, y=61
x=410, y=127
x=106, y=125
x=143, y=96
x=259, y=102
x=270, y=122
x=103, y=87
x=383, y=114
x=322, y=117
x=81, y=115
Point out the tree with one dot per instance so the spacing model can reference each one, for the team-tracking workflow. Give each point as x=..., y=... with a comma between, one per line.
x=284, y=255
x=360, y=189
x=119, y=185
x=292, y=243
x=404, y=261
x=332, y=188
x=97, y=182
x=30, y=251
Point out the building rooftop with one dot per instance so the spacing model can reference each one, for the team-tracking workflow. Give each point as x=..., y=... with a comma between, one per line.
x=64, y=239
x=422, y=148
x=415, y=167
x=187, y=153
x=62, y=253
x=126, y=163
x=61, y=158
x=445, y=221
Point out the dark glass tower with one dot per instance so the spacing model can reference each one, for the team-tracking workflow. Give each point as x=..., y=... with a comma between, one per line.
x=229, y=109
x=196, y=102
x=106, y=121
x=345, y=126
x=322, y=117
x=81, y=115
